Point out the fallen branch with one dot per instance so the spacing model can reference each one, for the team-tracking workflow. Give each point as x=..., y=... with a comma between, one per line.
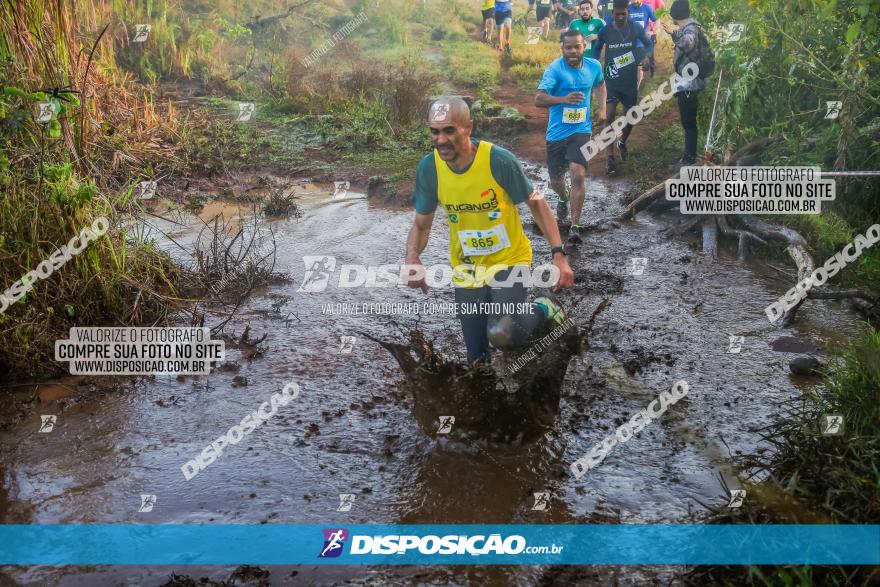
x=643, y=201
x=796, y=249
x=843, y=294
x=684, y=227
x=743, y=237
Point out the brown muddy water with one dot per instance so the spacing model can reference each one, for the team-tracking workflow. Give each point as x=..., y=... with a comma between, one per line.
x=352, y=429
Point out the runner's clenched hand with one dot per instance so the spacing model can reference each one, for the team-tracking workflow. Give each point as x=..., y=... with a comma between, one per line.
x=566, y=275
x=574, y=98
x=415, y=275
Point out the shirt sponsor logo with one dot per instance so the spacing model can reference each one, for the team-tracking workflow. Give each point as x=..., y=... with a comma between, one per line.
x=481, y=207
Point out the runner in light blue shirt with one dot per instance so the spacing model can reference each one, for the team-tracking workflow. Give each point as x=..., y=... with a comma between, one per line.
x=566, y=88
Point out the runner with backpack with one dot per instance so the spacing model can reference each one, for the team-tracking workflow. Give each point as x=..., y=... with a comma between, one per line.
x=691, y=46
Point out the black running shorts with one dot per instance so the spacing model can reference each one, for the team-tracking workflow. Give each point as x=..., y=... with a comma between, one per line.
x=564, y=151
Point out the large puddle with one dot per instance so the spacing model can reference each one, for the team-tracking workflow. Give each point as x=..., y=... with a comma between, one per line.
x=351, y=431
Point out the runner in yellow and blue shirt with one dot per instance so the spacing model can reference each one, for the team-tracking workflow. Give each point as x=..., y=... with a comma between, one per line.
x=488, y=13
x=479, y=186
x=504, y=20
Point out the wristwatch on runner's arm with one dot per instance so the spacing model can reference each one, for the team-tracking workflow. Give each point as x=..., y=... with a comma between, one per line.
x=555, y=250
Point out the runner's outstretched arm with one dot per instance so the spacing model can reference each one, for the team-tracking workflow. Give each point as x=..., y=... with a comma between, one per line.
x=546, y=221
x=416, y=242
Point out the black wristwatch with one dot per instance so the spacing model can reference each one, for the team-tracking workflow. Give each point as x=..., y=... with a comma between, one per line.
x=555, y=250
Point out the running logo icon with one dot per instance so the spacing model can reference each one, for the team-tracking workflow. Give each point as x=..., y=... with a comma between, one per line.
x=346, y=344
x=832, y=425
x=45, y=112
x=245, y=111
x=542, y=501
x=439, y=112
x=737, y=497
x=146, y=190
x=534, y=35
x=446, y=423
x=340, y=189
x=346, y=500
x=736, y=344
x=47, y=423
x=334, y=541
x=639, y=264
x=141, y=32
x=147, y=503
x=317, y=275
x=832, y=109
x=732, y=32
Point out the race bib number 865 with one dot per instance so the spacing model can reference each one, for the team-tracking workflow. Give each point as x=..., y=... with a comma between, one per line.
x=483, y=242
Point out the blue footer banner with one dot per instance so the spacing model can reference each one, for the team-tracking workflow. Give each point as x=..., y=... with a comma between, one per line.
x=522, y=544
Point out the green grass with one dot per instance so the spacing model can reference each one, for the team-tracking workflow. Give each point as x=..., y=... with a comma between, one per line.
x=471, y=64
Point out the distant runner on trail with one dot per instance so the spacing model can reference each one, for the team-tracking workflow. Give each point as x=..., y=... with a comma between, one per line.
x=652, y=31
x=542, y=15
x=642, y=14
x=504, y=20
x=479, y=185
x=589, y=25
x=488, y=13
x=619, y=39
x=565, y=88
x=565, y=11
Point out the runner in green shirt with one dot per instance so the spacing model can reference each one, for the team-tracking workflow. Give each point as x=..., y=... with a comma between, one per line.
x=588, y=24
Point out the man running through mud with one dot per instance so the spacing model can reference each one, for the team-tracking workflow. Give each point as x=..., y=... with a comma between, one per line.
x=565, y=88
x=479, y=185
x=620, y=39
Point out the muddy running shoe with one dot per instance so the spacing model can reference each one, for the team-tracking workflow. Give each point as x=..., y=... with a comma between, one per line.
x=486, y=38
x=562, y=206
x=574, y=235
x=552, y=309
x=610, y=166
x=624, y=152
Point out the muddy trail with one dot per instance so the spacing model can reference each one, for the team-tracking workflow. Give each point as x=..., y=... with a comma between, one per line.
x=358, y=428
x=353, y=429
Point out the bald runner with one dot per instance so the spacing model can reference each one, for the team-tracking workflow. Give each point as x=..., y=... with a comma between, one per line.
x=479, y=186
